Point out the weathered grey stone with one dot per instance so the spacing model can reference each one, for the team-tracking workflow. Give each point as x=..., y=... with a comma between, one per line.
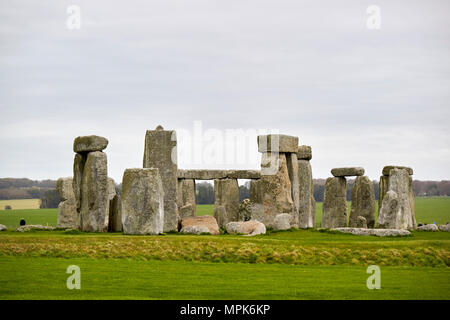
x=226, y=201
x=142, y=201
x=304, y=153
x=293, y=171
x=383, y=187
x=335, y=203
x=94, y=212
x=3, y=227
x=374, y=232
x=387, y=170
x=360, y=222
x=396, y=210
x=428, y=227
x=244, y=174
x=347, y=172
x=283, y=221
x=218, y=174
x=195, y=230
x=115, y=214
x=444, y=227
x=186, y=198
x=277, y=143
x=78, y=168
x=255, y=191
x=307, y=205
x=160, y=152
x=111, y=195
x=245, y=210
x=363, y=202
x=248, y=228
x=275, y=188
x=36, y=227
x=201, y=222
x=89, y=144
x=68, y=216
x=187, y=210
x=202, y=174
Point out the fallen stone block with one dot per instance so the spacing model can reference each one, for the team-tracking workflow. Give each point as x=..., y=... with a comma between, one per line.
x=249, y=228
x=428, y=227
x=374, y=232
x=35, y=227
x=201, y=223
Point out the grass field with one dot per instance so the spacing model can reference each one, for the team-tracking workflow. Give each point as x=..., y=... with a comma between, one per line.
x=19, y=204
x=296, y=264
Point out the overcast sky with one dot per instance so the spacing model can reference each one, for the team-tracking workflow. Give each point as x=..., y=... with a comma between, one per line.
x=313, y=69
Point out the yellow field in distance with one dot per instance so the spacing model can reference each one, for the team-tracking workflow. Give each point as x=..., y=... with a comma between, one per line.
x=19, y=204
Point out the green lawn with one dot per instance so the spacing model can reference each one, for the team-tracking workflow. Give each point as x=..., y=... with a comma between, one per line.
x=296, y=264
x=45, y=278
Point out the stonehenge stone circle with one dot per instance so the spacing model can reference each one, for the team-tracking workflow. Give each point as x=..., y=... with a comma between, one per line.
x=186, y=198
x=226, y=201
x=363, y=202
x=347, y=172
x=142, y=201
x=397, y=209
x=199, y=224
x=68, y=216
x=94, y=193
x=160, y=151
x=307, y=204
x=335, y=203
x=89, y=144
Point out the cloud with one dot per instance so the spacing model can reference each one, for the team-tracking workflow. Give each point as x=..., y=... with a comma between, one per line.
x=311, y=69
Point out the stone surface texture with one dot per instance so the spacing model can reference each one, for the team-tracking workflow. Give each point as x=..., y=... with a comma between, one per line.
x=335, y=203
x=226, y=201
x=363, y=202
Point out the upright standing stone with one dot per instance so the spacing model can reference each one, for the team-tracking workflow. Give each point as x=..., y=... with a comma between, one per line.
x=142, y=201
x=256, y=201
x=383, y=187
x=68, y=217
x=397, y=210
x=307, y=211
x=78, y=168
x=293, y=171
x=335, y=203
x=186, y=198
x=94, y=193
x=115, y=214
x=363, y=203
x=161, y=152
x=226, y=201
x=276, y=189
x=111, y=195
